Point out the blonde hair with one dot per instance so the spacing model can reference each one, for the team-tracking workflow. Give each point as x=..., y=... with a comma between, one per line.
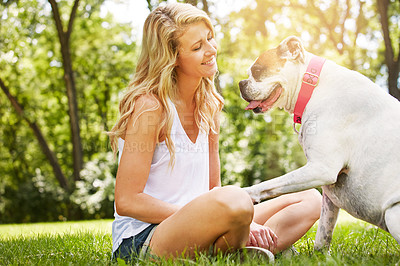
x=156, y=75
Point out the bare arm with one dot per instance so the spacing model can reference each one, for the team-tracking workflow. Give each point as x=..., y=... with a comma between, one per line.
x=134, y=167
x=213, y=142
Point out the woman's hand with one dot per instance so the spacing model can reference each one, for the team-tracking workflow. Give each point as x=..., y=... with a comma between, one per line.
x=262, y=236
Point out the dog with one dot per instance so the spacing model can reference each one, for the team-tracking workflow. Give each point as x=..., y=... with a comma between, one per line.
x=350, y=134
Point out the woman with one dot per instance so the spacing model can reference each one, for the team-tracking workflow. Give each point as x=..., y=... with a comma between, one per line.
x=167, y=137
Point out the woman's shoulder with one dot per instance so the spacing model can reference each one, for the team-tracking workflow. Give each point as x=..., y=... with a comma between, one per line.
x=149, y=102
x=148, y=111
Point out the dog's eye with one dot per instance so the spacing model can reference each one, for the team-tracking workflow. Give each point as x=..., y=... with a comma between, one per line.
x=257, y=71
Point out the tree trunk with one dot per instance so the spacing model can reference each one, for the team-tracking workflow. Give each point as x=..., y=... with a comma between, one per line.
x=64, y=37
x=392, y=62
x=39, y=136
x=205, y=7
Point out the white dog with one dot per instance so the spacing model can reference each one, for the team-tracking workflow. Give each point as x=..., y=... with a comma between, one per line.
x=350, y=135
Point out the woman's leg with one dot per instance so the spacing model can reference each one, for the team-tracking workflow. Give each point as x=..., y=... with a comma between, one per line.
x=290, y=216
x=220, y=217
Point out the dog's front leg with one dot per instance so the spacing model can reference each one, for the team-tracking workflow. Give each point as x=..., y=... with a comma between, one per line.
x=311, y=175
x=327, y=221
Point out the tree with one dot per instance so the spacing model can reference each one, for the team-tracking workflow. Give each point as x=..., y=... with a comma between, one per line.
x=387, y=9
x=39, y=135
x=50, y=47
x=31, y=67
x=64, y=37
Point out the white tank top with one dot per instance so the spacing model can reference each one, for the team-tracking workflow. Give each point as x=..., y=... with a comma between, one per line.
x=188, y=178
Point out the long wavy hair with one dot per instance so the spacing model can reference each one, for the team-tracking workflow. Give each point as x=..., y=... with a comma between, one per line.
x=156, y=75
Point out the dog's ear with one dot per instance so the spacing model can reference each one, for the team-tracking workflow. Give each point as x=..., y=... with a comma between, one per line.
x=291, y=48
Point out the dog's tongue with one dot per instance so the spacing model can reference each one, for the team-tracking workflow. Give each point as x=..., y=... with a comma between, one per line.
x=267, y=104
x=252, y=105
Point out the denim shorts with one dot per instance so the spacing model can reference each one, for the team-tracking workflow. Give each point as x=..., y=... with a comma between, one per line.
x=135, y=246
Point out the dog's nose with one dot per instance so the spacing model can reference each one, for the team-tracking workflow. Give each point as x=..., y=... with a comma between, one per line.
x=243, y=84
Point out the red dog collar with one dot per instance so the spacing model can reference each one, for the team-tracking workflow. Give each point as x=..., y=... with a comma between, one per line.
x=310, y=81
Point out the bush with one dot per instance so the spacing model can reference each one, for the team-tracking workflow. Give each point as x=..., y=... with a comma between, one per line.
x=94, y=194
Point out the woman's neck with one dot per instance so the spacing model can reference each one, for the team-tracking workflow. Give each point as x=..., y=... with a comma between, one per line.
x=186, y=90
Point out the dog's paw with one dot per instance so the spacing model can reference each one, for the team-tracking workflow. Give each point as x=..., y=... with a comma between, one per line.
x=255, y=196
x=324, y=250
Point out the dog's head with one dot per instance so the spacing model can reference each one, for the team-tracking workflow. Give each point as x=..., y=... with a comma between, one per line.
x=271, y=76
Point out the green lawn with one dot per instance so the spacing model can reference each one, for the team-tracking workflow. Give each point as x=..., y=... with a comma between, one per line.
x=89, y=243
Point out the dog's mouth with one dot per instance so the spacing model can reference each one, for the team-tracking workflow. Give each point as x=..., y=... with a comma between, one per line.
x=259, y=106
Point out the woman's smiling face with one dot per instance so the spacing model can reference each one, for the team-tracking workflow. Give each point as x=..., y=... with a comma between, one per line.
x=197, y=52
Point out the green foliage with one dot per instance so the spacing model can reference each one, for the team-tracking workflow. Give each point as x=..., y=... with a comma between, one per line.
x=103, y=55
x=33, y=194
x=253, y=148
x=94, y=194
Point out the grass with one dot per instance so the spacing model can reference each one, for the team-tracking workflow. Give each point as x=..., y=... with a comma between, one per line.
x=89, y=243
x=61, y=243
